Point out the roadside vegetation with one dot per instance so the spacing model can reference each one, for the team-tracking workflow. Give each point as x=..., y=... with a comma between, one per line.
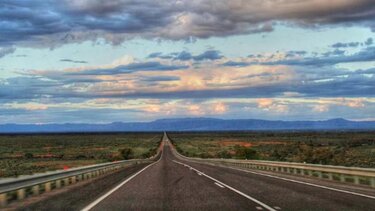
x=328, y=148
x=28, y=154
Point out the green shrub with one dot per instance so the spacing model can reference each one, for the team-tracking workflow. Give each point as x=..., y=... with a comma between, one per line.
x=127, y=153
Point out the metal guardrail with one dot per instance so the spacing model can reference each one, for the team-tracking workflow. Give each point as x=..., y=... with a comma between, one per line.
x=19, y=189
x=358, y=176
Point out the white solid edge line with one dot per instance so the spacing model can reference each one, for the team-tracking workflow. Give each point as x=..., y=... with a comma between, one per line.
x=230, y=188
x=304, y=183
x=97, y=201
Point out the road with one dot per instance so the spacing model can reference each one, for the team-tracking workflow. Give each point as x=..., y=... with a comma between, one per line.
x=175, y=184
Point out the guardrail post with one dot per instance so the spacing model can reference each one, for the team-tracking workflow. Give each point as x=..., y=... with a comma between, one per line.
x=342, y=178
x=302, y=172
x=58, y=183
x=330, y=176
x=356, y=180
x=66, y=181
x=35, y=190
x=73, y=179
x=294, y=171
x=3, y=199
x=47, y=186
x=320, y=175
x=372, y=182
x=21, y=194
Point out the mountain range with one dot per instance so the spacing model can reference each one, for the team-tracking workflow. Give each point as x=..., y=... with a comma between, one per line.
x=192, y=124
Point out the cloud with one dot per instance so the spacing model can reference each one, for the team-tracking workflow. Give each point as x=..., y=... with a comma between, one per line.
x=160, y=78
x=336, y=52
x=270, y=105
x=195, y=110
x=27, y=87
x=6, y=50
x=49, y=23
x=157, y=78
x=295, y=53
x=104, y=110
x=358, y=103
x=130, y=68
x=265, y=103
x=220, y=108
x=321, y=108
x=28, y=106
x=186, y=56
x=368, y=42
x=208, y=55
x=365, y=55
x=73, y=61
x=236, y=64
x=346, y=45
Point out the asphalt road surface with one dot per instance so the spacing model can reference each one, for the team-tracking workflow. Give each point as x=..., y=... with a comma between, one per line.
x=175, y=184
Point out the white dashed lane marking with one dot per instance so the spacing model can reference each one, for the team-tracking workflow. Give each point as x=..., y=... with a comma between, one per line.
x=219, y=185
x=217, y=182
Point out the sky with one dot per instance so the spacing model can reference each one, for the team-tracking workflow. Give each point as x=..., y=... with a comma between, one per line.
x=100, y=61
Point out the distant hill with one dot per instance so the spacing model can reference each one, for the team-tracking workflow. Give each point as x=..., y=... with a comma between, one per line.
x=192, y=124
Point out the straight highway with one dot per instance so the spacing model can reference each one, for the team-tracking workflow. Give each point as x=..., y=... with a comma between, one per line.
x=175, y=184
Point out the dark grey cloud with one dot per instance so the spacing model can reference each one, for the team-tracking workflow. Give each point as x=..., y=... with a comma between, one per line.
x=130, y=68
x=23, y=21
x=307, y=81
x=48, y=23
x=365, y=55
x=346, y=45
x=73, y=61
x=159, y=78
x=236, y=64
x=208, y=55
x=369, y=41
x=5, y=51
x=336, y=52
x=351, y=87
x=366, y=71
x=27, y=87
x=21, y=55
x=186, y=56
x=158, y=55
x=183, y=56
x=295, y=53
